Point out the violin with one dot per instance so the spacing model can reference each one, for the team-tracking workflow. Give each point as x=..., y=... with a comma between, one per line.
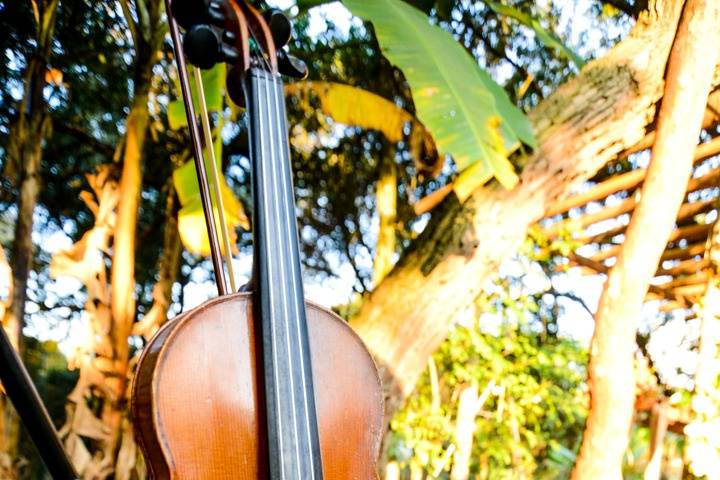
x=258, y=384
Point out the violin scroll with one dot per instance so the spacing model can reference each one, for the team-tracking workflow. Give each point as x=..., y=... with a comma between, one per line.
x=222, y=30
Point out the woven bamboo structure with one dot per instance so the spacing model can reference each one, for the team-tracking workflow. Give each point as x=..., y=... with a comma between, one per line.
x=598, y=214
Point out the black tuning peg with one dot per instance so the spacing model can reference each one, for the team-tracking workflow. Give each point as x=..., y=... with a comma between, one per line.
x=234, y=85
x=280, y=27
x=189, y=13
x=291, y=66
x=204, y=47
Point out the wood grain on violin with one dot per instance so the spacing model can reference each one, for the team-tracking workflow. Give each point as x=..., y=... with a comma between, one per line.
x=198, y=401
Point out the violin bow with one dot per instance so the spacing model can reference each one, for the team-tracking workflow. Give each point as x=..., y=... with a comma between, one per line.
x=197, y=147
x=215, y=177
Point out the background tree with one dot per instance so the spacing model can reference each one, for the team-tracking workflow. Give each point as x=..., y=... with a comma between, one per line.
x=448, y=254
x=679, y=122
x=27, y=133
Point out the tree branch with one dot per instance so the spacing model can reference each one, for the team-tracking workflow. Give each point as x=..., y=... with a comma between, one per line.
x=85, y=137
x=570, y=296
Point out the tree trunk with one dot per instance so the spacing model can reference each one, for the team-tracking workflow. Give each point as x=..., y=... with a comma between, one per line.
x=392, y=471
x=25, y=151
x=612, y=383
x=469, y=406
x=122, y=283
x=590, y=120
x=104, y=367
x=658, y=429
x=464, y=432
x=24, y=154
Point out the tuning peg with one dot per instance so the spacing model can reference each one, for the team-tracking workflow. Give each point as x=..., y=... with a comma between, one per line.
x=280, y=27
x=229, y=37
x=202, y=46
x=188, y=13
x=291, y=66
x=229, y=54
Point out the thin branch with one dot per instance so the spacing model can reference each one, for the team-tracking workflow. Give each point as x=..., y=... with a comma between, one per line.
x=85, y=137
x=571, y=296
x=351, y=259
x=145, y=24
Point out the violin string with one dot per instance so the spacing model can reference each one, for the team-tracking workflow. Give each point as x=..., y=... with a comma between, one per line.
x=298, y=301
x=282, y=285
x=260, y=55
x=215, y=177
x=283, y=208
x=269, y=260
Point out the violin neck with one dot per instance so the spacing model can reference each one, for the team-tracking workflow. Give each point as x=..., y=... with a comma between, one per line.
x=293, y=438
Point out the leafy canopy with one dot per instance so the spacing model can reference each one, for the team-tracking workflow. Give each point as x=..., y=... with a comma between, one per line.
x=469, y=115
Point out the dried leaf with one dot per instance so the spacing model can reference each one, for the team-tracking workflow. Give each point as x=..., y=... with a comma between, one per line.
x=127, y=454
x=86, y=424
x=78, y=453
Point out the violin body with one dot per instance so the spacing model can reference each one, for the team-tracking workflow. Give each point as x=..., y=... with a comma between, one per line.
x=255, y=385
x=198, y=396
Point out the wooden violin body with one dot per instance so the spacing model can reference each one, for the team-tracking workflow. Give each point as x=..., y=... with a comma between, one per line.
x=255, y=385
x=198, y=398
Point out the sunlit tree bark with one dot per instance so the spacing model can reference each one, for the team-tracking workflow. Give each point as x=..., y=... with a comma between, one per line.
x=658, y=429
x=6, y=461
x=588, y=121
x=612, y=384
x=469, y=406
x=104, y=366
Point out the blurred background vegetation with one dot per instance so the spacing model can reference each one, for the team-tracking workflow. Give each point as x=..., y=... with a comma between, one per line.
x=505, y=394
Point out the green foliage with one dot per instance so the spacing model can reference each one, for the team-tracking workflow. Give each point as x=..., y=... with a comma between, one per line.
x=214, y=87
x=532, y=422
x=537, y=404
x=49, y=371
x=191, y=219
x=460, y=105
x=548, y=38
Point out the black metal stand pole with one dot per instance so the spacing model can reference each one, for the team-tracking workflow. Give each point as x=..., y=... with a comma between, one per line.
x=21, y=391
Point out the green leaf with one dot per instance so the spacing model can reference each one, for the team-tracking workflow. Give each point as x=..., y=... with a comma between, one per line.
x=191, y=220
x=185, y=177
x=214, y=87
x=354, y=106
x=357, y=107
x=455, y=100
x=548, y=38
